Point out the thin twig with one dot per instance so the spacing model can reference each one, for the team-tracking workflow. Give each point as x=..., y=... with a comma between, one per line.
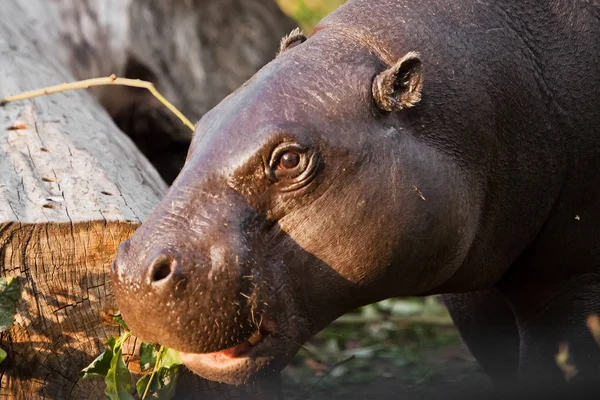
x=334, y=366
x=110, y=80
x=351, y=319
x=158, y=357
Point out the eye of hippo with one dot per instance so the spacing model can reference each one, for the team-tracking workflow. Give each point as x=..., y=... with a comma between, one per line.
x=289, y=160
x=292, y=165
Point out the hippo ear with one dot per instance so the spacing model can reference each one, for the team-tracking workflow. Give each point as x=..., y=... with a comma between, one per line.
x=399, y=86
x=294, y=38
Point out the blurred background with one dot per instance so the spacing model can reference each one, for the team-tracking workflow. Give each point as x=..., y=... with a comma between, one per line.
x=308, y=12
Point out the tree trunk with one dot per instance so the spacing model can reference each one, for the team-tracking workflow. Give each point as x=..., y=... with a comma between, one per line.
x=72, y=186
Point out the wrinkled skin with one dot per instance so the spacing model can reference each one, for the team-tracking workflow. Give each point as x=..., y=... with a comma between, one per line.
x=486, y=188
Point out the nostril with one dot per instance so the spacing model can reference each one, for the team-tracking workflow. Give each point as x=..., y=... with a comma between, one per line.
x=162, y=268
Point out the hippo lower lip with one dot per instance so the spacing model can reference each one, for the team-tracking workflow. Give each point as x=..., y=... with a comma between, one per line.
x=239, y=351
x=234, y=358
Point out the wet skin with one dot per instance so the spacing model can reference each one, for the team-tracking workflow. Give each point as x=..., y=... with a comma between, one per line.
x=333, y=179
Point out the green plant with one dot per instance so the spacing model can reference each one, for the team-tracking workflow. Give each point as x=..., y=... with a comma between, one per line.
x=159, y=365
x=563, y=358
x=10, y=293
x=308, y=12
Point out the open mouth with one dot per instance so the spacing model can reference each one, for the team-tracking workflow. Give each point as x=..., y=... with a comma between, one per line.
x=228, y=358
x=242, y=349
x=262, y=354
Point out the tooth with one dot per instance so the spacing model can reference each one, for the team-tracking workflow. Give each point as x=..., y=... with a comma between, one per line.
x=255, y=338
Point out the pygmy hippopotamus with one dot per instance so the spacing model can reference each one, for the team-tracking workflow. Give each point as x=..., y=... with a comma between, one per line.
x=406, y=148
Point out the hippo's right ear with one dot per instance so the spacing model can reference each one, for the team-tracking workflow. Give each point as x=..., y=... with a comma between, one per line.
x=294, y=38
x=399, y=86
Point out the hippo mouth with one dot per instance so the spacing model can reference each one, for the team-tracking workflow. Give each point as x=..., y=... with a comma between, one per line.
x=240, y=363
x=221, y=358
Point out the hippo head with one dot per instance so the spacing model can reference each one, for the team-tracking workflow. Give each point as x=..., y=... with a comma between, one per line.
x=304, y=195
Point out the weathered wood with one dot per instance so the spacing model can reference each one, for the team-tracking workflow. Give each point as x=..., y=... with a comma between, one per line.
x=72, y=187
x=199, y=51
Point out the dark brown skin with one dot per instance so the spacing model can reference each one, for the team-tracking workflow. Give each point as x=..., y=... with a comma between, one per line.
x=350, y=170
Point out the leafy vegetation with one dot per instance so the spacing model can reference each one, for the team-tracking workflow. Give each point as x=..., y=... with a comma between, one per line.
x=308, y=12
x=159, y=366
x=374, y=342
x=164, y=366
x=10, y=293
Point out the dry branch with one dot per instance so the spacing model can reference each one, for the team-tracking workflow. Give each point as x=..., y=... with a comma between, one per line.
x=88, y=83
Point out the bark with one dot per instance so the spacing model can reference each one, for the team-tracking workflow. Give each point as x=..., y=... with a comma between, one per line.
x=72, y=186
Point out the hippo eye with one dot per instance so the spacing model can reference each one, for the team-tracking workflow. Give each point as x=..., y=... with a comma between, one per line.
x=289, y=160
x=292, y=166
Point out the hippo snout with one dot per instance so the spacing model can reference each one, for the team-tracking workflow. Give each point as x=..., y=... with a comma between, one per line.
x=165, y=268
x=192, y=284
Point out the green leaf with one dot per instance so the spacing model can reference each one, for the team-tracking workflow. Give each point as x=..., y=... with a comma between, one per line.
x=102, y=364
x=142, y=384
x=148, y=355
x=98, y=367
x=10, y=293
x=162, y=386
x=111, y=343
x=118, y=378
x=119, y=320
x=2, y=355
x=168, y=380
x=169, y=358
